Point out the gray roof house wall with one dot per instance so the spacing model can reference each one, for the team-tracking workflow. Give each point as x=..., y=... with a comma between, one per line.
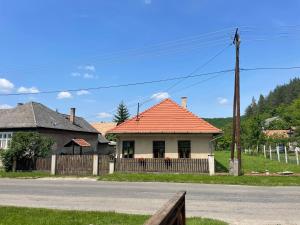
x=36, y=116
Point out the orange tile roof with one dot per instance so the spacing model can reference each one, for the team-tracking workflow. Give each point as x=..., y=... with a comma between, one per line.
x=103, y=127
x=277, y=133
x=81, y=142
x=166, y=117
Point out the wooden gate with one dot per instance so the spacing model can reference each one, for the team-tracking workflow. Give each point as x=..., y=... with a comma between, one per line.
x=74, y=165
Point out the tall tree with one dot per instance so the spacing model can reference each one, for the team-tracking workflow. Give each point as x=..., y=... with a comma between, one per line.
x=122, y=114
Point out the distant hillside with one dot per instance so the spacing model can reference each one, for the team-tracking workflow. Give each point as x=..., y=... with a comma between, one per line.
x=219, y=122
x=272, y=104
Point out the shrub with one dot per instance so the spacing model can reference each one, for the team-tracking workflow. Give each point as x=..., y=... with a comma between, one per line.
x=26, y=146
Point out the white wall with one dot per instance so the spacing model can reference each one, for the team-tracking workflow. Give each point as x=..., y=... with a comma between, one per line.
x=200, y=147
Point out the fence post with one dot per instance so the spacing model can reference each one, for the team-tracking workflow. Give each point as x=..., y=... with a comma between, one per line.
x=14, y=166
x=297, y=158
x=270, y=148
x=278, y=155
x=211, y=164
x=285, y=153
x=111, y=166
x=95, y=164
x=53, y=164
x=265, y=151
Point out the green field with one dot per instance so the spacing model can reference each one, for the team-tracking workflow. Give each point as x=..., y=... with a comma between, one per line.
x=255, y=163
x=32, y=216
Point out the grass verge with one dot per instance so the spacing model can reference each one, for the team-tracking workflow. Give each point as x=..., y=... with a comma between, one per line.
x=204, y=179
x=18, y=215
x=33, y=174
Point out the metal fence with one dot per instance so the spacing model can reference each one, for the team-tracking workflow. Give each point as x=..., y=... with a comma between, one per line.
x=162, y=165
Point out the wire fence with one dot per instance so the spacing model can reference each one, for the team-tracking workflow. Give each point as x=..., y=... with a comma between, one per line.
x=280, y=153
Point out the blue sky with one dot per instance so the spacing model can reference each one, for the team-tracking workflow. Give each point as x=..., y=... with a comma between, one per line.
x=61, y=45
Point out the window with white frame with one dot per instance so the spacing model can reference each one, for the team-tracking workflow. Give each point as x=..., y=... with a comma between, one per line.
x=5, y=139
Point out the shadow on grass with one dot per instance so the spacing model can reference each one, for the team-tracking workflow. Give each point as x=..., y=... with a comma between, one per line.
x=220, y=168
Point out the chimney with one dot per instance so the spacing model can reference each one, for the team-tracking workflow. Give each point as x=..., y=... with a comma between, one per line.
x=183, y=102
x=72, y=115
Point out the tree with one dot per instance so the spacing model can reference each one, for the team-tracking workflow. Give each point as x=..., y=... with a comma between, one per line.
x=26, y=146
x=122, y=114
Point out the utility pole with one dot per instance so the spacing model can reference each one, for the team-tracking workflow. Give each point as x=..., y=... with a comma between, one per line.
x=235, y=164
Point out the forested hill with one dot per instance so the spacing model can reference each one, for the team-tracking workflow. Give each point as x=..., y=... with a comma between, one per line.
x=219, y=122
x=272, y=104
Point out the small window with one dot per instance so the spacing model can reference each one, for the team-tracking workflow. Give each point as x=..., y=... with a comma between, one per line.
x=128, y=149
x=158, y=149
x=184, y=149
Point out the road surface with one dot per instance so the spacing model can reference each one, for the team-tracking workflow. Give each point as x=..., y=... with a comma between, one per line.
x=234, y=204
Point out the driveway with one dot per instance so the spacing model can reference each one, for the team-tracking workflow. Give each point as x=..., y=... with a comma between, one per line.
x=234, y=204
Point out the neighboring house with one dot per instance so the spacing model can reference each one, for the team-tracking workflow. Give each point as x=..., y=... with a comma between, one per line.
x=107, y=147
x=165, y=130
x=279, y=133
x=103, y=127
x=71, y=134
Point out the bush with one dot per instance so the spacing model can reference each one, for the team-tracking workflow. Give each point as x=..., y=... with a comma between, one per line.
x=26, y=146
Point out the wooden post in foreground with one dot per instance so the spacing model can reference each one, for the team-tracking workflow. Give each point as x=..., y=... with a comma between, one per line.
x=53, y=164
x=265, y=154
x=270, y=148
x=172, y=213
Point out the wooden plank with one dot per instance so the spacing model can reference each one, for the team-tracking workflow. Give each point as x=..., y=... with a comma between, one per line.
x=172, y=213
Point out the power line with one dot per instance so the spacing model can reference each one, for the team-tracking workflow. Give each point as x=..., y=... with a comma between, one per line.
x=271, y=68
x=118, y=85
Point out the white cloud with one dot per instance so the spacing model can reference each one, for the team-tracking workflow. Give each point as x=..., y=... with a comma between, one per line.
x=28, y=90
x=6, y=86
x=75, y=74
x=82, y=92
x=104, y=115
x=88, y=67
x=148, y=2
x=222, y=101
x=89, y=76
x=64, y=94
x=5, y=106
x=160, y=95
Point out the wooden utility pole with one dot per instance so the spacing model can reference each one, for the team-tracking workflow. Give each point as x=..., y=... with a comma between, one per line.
x=235, y=164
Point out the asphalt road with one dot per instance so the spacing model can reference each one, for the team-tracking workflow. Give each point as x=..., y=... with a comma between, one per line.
x=234, y=204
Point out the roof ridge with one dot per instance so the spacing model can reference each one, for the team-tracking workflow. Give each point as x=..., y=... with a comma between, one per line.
x=152, y=107
x=33, y=112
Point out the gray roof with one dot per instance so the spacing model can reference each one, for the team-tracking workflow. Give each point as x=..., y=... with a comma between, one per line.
x=102, y=139
x=36, y=115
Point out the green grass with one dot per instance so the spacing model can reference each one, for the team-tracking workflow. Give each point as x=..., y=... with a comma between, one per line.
x=33, y=174
x=249, y=163
x=254, y=163
x=204, y=179
x=32, y=216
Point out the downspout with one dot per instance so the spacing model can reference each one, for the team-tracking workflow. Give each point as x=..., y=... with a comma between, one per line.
x=212, y=140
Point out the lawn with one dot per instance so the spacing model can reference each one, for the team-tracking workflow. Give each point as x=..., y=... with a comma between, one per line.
x=249, y=163
x=33, y=174
x=20, y=216
x=254, y=163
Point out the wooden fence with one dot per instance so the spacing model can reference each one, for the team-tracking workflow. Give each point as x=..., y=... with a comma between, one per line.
x=162, y=165
x=103, y=164
x=172, y=213
x=43, y=164
x=74, y=165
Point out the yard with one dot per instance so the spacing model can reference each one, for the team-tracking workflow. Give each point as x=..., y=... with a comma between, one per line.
x=16, y=215
x=250, y=164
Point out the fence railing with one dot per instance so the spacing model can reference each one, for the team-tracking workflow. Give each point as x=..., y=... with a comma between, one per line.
x=162, y=165
x=43, y=164
x=172, y=213
x=74, y=164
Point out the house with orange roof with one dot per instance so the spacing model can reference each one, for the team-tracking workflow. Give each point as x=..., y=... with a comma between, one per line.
x=166, y=130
